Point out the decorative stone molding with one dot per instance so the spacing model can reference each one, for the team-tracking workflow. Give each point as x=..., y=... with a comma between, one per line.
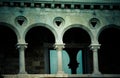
x=21, y=20
x=59, y=46
x=94, y=22
x=95, y=46
x=58, y=21
x=24, y=45
x=63, y=5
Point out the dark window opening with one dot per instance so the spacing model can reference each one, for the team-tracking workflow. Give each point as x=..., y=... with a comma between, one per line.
x=35, y=57
x=83, y=39
x=9, y=56
x=109, y=51
x=82, y=36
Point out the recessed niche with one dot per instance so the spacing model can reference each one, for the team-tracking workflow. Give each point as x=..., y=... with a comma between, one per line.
x=58, y=21
x=94, y=22
x=21, y=20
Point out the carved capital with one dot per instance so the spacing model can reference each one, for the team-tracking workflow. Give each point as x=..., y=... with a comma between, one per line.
x=95, y=46
x=22, y=45
x=59, y=46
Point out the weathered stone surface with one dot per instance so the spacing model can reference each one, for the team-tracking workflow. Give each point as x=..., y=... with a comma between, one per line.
x=45, y=16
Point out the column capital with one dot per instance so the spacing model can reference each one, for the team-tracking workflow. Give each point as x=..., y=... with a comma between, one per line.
x=59, y=45
x=95, y=46
x=24, y=45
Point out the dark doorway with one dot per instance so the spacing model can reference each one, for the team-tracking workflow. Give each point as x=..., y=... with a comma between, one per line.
x=109, y=51
x=78, y=39
x=36, y=56
x=9, y=59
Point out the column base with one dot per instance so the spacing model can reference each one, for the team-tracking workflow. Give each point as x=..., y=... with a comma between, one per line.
x=96, y=72
x=23, y=72
x=60, y=72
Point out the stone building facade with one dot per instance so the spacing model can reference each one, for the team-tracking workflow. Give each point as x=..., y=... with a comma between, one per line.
x=59, y=38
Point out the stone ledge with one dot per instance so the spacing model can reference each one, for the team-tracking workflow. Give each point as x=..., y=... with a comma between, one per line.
x=59, y=75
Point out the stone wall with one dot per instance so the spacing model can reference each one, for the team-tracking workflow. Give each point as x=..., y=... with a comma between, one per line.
x=35, y=60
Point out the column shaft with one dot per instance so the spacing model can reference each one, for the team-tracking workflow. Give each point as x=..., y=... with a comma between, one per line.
x=21, y=48
x=59, y=61
x=59, y=48
x=95, y=62
x=95, y=48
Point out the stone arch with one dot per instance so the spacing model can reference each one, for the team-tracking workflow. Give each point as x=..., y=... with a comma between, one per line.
x=13, y=29
x=77, y=39
x=109, y=51
x=9, y=57
x=105, y=27
x=79, y=26
x=42, y=25
x=37, y=53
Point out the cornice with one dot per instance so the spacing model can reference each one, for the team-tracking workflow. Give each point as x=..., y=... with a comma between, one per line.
x=111, y=5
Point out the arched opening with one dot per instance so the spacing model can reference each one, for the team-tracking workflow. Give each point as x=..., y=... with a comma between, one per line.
x=76, y=42
x=109, y=51
x=9, y=59
x=40, y=40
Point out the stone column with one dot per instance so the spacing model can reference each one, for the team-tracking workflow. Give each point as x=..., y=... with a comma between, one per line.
x=94, y=48
x=59, y=48
x=21, y=47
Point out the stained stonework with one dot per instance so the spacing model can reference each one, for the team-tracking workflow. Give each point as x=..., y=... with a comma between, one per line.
x=23, y=53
